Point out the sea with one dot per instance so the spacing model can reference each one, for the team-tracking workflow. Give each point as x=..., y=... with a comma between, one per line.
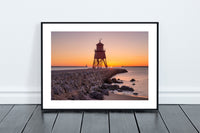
x=140, y=74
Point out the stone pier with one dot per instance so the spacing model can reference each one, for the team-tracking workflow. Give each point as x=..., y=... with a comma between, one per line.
x=79, y=84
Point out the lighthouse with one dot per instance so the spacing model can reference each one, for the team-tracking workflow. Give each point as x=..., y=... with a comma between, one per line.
x=99, y=56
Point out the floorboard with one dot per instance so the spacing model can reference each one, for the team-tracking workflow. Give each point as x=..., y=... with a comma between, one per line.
x=4, y=110
x=95, y=122
x=68, y=122
x=150, y=122
x=169, y=118
x=16, y=119
x=193, y=112
x=175, y=119
x=122, y=122
x=40, y=122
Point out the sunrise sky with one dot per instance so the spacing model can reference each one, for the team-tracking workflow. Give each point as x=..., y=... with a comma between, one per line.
x=77, y=48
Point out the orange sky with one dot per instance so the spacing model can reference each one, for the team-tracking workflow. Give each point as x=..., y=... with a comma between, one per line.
x=77, y=48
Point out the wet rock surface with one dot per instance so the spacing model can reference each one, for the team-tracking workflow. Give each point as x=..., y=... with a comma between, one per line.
x=116, y=87
x=110, y=87
x=135, y=93
x=114, y=80
x=126, y=88
x=132, y=80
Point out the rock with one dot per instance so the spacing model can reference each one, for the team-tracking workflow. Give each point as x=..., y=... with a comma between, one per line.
x=119, y=90
x=110, y=87
x=96, y=95
x=66, y=84
x=71, y=97
x=126, y=88
x=132, y=80
x=108, y=81
x=93, y=88
x=119, y=81
x=57, y=90
x=61, y=82
x=113, y=87
x=81, y=96
x=114, y=80
x=105, y=92
x=135, y=93
x=104, y=86
x=66, y=88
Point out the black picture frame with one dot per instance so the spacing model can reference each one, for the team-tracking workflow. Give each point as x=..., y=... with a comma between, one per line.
x=42, y=65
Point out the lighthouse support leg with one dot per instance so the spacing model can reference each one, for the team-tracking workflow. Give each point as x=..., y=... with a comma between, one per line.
x=105, y=63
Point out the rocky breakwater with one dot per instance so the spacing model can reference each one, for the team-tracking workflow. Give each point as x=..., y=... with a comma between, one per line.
x=83, y=84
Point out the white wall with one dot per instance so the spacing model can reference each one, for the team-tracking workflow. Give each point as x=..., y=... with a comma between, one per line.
x=179, y=41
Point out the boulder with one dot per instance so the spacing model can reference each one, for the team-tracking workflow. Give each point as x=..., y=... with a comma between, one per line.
x=66, y=87
x=119, y=90
x=105, y=92
x=93, y=88
x=81, y=95
x=110, y=87
x=71, y=97
x=96, y=95
x=126, y=88
x=132, y=80
x=57, y=90
x=135, y=93
x=114, y=80
x=108, y=81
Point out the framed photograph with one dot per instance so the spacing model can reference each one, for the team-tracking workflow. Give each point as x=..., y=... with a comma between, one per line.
x=99, y=65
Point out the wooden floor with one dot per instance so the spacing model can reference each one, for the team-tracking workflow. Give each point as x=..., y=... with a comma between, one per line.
x=169, y=118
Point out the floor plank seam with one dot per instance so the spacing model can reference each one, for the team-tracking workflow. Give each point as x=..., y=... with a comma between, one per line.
x=7, y=113
x=109, y=121
x=189, y=118
x=136, y=122
x=81, y=122
x=163, y=121
x=54, y=121
x=139, y=127
x=29, y=119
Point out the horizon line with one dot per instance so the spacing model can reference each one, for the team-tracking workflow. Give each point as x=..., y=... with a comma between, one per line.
x=91, y=66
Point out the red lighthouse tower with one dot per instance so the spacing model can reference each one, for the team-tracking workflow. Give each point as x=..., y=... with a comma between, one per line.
x=99, y=56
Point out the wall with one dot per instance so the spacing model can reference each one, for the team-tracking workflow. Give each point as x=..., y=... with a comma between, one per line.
x=179, y=42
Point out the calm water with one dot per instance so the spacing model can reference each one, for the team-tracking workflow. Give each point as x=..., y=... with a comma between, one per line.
x=140, y=74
